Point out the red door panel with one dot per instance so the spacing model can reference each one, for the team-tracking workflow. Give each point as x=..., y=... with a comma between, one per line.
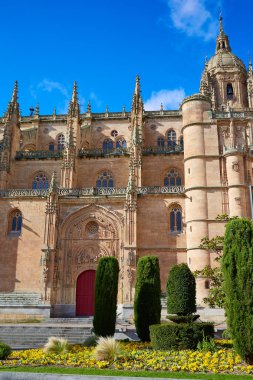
x=85, y=293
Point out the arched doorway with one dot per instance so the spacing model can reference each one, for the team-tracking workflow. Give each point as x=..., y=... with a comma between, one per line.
x=85, y=293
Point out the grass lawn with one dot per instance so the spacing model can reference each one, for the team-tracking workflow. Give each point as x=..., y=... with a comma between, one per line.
x=107, y=372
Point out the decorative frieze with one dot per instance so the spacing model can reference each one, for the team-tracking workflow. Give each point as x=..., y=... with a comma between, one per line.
x=89, y=192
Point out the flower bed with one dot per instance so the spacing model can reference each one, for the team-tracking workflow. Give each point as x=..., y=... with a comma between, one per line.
x=137, y=356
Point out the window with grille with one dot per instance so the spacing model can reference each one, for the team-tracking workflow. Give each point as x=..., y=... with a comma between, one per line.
x=176, y=225
x=107, y=145
x=61, y=142
x=173, y=178
x=15, y=225
x=105, y=180
x=172, y=138
x=40, y=181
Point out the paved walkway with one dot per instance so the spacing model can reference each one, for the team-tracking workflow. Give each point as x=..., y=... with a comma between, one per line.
x=44, y=376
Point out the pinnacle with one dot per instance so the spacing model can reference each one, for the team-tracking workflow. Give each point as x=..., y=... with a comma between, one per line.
x=137, y=85
x=74, y=92
x=221, y=24
x=14, y=97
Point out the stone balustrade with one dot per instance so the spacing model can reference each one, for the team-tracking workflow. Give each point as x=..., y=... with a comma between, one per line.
x=38, y=155
x=90, y=192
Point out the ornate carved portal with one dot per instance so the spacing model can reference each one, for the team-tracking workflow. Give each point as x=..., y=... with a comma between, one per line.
x=86, y=235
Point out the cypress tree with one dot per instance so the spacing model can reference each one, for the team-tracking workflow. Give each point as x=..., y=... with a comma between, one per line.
x=106, y=291
x=147, y=302
x=237, y=267
x=181, y=291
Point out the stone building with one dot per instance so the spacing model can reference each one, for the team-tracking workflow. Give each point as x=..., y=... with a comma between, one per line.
x=76, y=187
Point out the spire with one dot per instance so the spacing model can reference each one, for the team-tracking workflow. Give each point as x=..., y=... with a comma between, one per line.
x=88, y=107
x=14, y=97
x=137, y=103
x=221, y=24
x=250, y=71
x=74, y=109
x=13, y=106
x=222, y=41
x=137, y=90
x=37, y=109
x=74, y=93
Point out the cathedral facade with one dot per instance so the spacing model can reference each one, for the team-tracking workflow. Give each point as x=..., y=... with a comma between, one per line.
x=80, y=186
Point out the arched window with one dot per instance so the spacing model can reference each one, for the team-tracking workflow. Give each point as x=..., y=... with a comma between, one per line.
x=40, y=181
x=172, y=138
x=173, y=178
x=61, y=142
x=107, y=145
x=105, y=180
x=160, y=142
x=51, y=147
x=181, y=142
x=176, y=225
x=15, y=222
x=121, y=143
x=230, y=91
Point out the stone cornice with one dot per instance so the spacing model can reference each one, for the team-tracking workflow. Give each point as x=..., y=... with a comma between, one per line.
x=195, y=97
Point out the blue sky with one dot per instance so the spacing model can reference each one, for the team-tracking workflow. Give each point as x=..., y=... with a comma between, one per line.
x=102, y=44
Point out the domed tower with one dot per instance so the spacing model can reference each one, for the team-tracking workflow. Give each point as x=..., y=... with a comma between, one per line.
x=225, y=77
x=217, y=160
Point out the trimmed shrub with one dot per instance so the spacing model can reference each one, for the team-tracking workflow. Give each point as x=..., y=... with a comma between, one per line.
x=147, y=302
x=5, y=351
x=181, y=291
x=237, y=267
x=106, y=291
x=182, y=318
x=183, y=336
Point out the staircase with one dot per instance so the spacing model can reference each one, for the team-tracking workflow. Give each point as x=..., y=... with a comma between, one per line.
x=35, y=336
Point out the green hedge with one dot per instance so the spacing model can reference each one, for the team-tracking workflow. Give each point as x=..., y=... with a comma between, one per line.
x=171, y=336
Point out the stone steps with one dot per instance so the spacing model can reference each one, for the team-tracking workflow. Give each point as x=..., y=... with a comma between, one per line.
x=27, y=336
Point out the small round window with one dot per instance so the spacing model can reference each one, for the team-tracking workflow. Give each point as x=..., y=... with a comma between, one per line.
x=114, y=133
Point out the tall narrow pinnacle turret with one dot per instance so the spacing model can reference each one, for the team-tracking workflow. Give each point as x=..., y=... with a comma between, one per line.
x=74, y=109
x=137, y=104
x=250, y=71
x=221, y=24
x=14, y=97
x=222, y=41
x=13, y=106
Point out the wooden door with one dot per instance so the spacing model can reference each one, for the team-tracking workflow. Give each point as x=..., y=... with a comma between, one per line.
x=85, y=293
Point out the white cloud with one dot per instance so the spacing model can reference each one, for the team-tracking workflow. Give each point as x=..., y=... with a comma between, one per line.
x=93, y=97
x=170, y=99
x=49, y=86
x=193, y=18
